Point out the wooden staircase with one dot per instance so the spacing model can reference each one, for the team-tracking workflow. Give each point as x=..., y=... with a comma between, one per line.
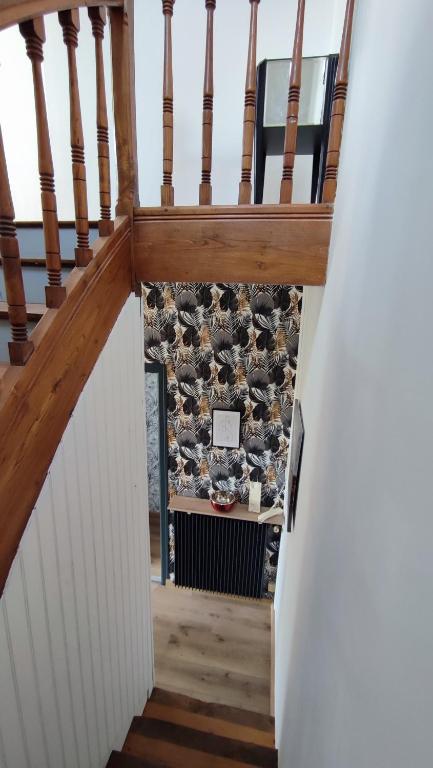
x=177, y=731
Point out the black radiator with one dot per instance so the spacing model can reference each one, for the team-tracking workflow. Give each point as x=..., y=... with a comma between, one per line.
x=219, y=554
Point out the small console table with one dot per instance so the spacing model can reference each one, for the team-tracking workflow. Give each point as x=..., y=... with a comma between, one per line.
x=219, y=551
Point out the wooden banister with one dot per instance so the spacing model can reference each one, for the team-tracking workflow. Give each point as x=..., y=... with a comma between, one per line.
x=338, y=109
x=245, y=187
x=291, y=132
x=205, y=191
x=70, y=23
x=55, y=293
x=167, y=190
x=98, y=17
x=122, y=66
x=20, y=348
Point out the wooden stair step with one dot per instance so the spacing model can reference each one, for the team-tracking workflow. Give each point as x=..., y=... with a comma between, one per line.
x=206, y=724
x=124, y=760
x=244, y=717
x=179, y=745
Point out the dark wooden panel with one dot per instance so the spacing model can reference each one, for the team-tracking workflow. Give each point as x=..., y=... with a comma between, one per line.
x=123, y=760
x=209, y=244
x=36, y=401
x=220, y=711
x=205, y=743
x=208, y=724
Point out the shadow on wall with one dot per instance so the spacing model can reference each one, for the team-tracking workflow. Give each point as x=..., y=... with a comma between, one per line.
x=230, y=345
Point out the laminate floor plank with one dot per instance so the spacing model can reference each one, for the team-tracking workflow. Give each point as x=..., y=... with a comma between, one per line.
x=212, y=647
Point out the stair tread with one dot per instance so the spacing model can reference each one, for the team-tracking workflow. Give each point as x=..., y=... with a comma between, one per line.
x=125, y=760
x=145, y=730
x=220, y=711
x=164, y=753
x=207, y=724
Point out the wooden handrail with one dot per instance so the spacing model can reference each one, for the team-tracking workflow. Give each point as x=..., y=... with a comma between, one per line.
x=70, y=23
x=291, y=132
x=167, y=190
x=245, y=187
x=17, y=11
x=338, y=109
x=20, y=348
x=205, y=191
x=98, y=17
x=55, y=293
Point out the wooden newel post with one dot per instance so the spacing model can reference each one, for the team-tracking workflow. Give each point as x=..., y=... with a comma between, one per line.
x=34, y=34
x=205, y=191
x=98, y=17
x=338, y=109
x=70, y=22
x=20, y=348
x=291, y=132
x=245, y=187
x=167, y=190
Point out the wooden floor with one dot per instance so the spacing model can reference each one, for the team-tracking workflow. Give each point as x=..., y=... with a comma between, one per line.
x=155, y=548
x=211, y=647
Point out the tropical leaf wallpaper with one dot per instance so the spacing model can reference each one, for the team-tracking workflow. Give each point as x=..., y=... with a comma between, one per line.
x=233, y=346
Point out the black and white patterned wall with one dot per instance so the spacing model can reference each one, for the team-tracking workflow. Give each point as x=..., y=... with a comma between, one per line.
x=226, y=345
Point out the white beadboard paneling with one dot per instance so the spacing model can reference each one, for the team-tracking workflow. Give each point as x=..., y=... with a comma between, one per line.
x=76, y=653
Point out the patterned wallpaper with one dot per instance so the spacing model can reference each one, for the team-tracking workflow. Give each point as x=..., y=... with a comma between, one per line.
x=229, y=345
x=234, y=346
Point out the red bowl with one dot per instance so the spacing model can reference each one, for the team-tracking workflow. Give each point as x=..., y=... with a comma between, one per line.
x=222, y=507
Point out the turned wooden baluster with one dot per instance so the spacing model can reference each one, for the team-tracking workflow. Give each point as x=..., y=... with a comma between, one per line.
x=70, y=22
x=338, y=109
x=291, y=133
x=20, y=348
x=98, y=17
x=34, y=34
x=167, y=190
x=245, y=187
x=205, y=191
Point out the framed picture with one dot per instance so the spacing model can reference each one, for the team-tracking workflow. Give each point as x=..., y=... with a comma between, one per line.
x=296, y=446
x=226, y=428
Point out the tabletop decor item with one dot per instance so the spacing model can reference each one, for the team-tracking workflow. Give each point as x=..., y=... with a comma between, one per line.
x=222, y=501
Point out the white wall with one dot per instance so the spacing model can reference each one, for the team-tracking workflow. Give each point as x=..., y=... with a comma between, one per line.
x=275, y=40
x=17, y=117
x=75, y=620
x=354, y=624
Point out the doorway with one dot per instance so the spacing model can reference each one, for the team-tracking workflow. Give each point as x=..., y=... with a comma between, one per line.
x=156, y=423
